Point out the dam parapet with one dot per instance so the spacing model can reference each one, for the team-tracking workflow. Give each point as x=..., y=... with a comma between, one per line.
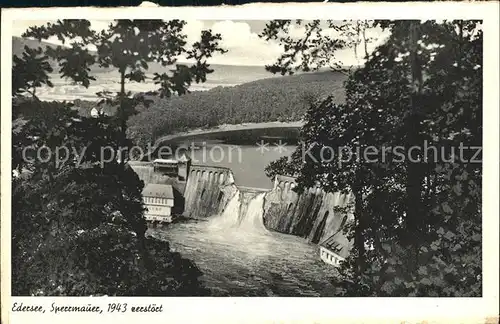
x=207, y=190
x=148, y=174
x=313, y=214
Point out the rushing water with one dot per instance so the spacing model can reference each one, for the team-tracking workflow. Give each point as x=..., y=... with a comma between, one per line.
x=240, y=257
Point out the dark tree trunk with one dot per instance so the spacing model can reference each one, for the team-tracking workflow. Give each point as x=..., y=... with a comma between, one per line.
x=124, y=156
x=359, y=241
x=364, y=39
x=123, y=118
x=414, y=216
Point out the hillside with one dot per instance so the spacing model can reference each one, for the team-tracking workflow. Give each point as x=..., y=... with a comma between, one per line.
x=18, y=44
x=274, y=99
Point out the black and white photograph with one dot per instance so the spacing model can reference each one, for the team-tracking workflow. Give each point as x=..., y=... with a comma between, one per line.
x=246, y=158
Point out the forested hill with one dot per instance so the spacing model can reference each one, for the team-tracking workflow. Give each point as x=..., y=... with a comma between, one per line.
x=273, y=99
x=276, y=98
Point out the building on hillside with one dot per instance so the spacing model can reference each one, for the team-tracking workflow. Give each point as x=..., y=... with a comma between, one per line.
x=96, y=112
x=159, y=200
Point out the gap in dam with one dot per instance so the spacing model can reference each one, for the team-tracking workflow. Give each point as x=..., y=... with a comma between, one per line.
x=249, y=241
x=239, y=256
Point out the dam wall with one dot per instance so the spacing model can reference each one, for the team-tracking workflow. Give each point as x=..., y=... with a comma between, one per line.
x=208, y=189
x=206, y=192
x=211, y=191
x=311, y=214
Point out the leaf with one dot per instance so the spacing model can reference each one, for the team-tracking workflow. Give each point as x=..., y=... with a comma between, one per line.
x=446, y=208
x=386, y=247
x=449, y=235
x=422, y=270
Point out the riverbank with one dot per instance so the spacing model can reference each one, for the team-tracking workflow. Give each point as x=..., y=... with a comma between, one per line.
x=227, y=128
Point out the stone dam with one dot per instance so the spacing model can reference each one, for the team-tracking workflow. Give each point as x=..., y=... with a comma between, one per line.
x=212, y=192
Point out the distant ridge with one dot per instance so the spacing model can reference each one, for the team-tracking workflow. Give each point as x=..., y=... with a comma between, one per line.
x=18, y=44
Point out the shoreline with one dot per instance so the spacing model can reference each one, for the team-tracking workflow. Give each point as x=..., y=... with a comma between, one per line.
x=227, y=128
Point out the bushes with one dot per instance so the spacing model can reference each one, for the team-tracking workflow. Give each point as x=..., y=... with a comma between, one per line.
x=78, y=228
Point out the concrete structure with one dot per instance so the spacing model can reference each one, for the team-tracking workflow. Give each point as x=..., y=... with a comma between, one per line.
x=169, y=176
x=184, y=164
x=159, y=200
x=313, y=214
x=166, y=166
x=329, y=257
x=203, y=191
x=204, y=194
x=173, y=168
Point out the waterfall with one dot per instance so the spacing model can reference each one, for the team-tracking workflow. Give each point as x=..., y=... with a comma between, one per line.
x=252, y=220
x=230, y=215
x=241, y=214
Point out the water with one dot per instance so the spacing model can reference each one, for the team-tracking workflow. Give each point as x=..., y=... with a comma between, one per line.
x=246, y=160
x=229, y=217
x=240, y=257
x=252, y=221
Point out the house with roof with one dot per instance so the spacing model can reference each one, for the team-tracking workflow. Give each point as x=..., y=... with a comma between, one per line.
x=335, y=249
x=159, y=200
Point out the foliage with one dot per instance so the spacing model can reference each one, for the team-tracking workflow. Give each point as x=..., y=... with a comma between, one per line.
x=316, y=47
x=128, y=46
x=417, y=227
x=83, y=230
x=30, y=71
x=285, y=165
x=78, y=226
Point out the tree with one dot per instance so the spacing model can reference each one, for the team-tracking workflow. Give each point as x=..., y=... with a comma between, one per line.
x=83, y=231
x=316, y=49
x=30, y=72
x=129, y=46
x=417, y=218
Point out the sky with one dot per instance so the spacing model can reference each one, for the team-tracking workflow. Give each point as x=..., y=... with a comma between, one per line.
x=239, y=37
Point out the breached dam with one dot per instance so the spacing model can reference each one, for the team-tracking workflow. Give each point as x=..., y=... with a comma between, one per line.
x=251, y=241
